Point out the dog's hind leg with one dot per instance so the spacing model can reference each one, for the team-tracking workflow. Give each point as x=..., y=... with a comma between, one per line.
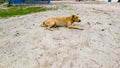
x=43, y=24
x=51, y=24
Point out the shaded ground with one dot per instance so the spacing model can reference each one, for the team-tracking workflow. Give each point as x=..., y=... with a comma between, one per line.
x=23, y=44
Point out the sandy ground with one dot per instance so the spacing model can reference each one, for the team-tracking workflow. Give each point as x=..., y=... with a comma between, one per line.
x=23, y=44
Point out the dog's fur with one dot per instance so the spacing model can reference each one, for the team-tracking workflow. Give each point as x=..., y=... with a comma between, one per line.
x=63, y=21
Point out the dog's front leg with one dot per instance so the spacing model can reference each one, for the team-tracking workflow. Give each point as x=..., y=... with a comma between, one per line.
x=74, y=27
x=69, y=25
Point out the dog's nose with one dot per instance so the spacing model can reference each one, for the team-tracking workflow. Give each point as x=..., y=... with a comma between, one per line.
x=79, y=20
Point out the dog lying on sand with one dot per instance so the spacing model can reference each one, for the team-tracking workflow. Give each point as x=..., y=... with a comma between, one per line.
x=61, y=22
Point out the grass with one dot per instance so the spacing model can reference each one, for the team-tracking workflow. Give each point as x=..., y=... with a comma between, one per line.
x=14, y=11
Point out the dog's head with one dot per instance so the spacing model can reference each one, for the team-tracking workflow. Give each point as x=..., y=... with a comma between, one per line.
x=75, y=18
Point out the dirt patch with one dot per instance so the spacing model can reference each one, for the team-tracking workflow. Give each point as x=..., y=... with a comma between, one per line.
x=23, y=44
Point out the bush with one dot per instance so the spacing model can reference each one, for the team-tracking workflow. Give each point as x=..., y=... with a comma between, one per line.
x=1, y=1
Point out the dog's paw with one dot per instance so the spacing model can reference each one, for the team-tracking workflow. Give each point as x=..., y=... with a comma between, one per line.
x=49, y=29
x=81, y=29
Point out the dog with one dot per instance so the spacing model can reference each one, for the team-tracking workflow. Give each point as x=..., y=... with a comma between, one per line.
x=61, y=22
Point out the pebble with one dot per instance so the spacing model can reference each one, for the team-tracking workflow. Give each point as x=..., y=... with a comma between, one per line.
x=103, y=30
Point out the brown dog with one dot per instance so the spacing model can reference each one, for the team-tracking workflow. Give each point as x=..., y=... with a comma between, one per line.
x=63, y=21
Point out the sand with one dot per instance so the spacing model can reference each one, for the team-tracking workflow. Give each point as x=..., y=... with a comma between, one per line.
x=23, y=44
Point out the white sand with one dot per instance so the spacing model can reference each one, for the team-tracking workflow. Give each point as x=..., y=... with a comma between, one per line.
x=23, y=44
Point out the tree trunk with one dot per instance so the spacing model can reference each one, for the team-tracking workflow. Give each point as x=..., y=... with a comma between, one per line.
x=118, y=0
x=109, y=0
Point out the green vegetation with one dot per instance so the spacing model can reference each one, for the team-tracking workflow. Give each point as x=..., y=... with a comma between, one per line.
x=13, y=11
x=3, y=1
